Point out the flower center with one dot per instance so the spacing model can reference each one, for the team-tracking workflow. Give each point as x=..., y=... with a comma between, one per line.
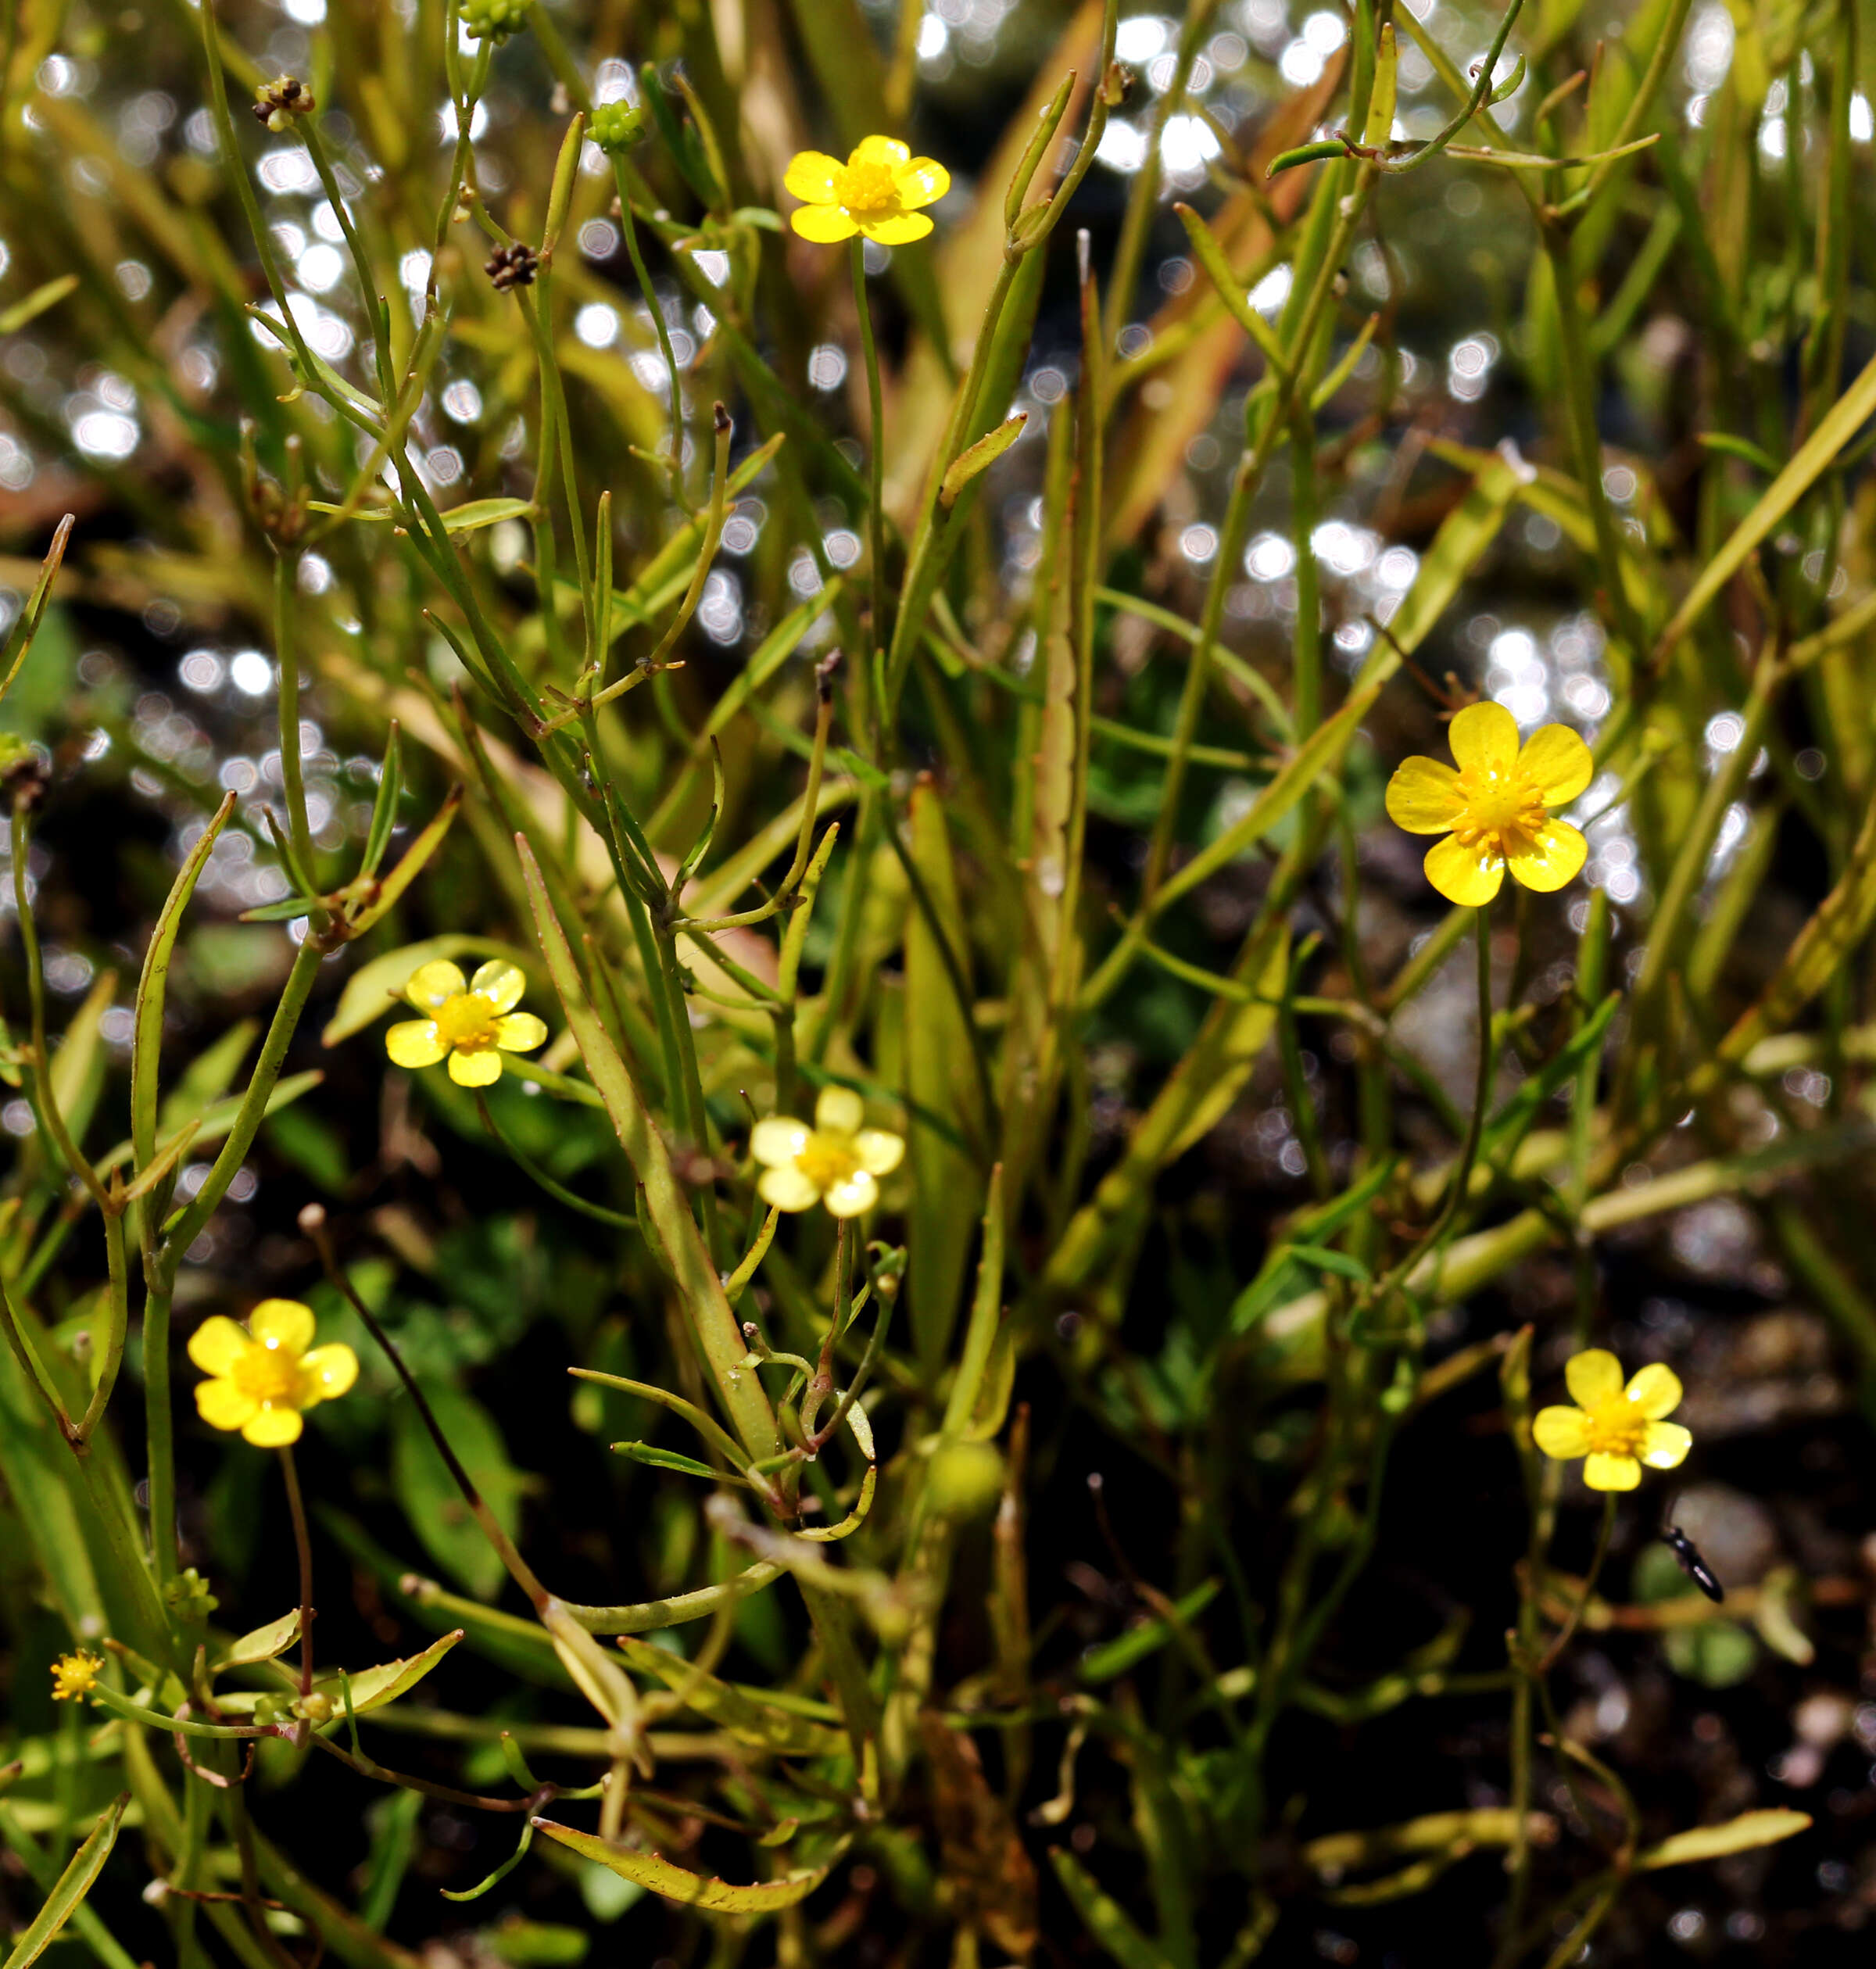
x=827, y=1160
x=267, y=1372
x=865, y=188
x=466, y=1021
x=1617, y=1428
x=1503, y=809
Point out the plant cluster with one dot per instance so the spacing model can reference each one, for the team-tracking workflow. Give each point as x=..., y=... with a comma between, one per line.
x=712, y=925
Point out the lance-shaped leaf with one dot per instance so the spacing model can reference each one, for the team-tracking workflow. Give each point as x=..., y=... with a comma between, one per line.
x=27, y=627
x=371, y=1688
x=263, y=1645
x=689, y=1889
x=36, y=303
x=407, y=871
x=980, y=457
x=1740, y=1834
x=73, y=1885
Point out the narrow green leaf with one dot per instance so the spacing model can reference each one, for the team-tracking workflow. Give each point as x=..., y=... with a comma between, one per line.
x=1836, y=431
x=980, y=457
x=263, y=1644
x=1750, y=1829
x=689, y=1889
x=36, y=303
x=73, y=1885
x=667, y=1459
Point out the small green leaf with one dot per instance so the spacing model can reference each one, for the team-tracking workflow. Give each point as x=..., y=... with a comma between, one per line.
x=980, y=457
x=689, y=1889
x=1750, y=1829
x=667, y=1459
x=36, y=303
x=263, y=1644
x=475, y=513
x=73, y=1885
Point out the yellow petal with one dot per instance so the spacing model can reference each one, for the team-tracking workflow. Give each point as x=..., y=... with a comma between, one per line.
x=923, y=181
x=282, y=1323
x=1423, y=796
x=839, y=1111
x=520, y=1031
x=787, y=1189
x=880, y=150
x=1560, y=1432
x=1553, y=856
x=810, y=176
x=430, y=984
x=859, y=1192
x=880, y=1152
x=1467, y=875
x=1656, y=1390
x=327, y=1373
x=272, y=1426
x=825, y=224
x=215, y=1347
x=480, y=1069
x=1558, y=764
x=414, y=1042
x=1485, y=737
x=899, y=229
x=500, y=982
x=1593, y=1376
x=775, y=1142
x=222, y=1405
x=1603, y=1472
x=1665, y=1446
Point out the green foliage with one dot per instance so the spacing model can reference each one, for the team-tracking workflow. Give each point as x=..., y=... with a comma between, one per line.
x=945, y=687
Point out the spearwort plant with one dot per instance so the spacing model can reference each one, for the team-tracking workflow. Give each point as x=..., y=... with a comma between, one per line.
x=939, y=1312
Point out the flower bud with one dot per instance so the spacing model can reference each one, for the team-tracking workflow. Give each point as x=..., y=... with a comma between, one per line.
x=965, y=1481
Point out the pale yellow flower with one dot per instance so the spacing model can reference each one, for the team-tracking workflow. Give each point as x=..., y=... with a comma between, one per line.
x=836, y=1162
x=1495, y=809
x=267, y=1376
x=877, y=193
x=75, y=1675
x=1615, y=1429
x=471, y=1023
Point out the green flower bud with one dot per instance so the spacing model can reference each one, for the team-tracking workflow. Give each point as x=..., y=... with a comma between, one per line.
x=616, y=126
x=966, y=1479
x=316, y=1707
x=188, y=1596
x=499, y=18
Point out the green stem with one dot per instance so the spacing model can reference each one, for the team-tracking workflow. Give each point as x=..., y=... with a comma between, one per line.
x=303, y=1545
x=875, y=440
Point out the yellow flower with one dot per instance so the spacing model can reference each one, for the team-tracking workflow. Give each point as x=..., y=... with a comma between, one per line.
x=1617, y=1429
x=1495, y=811
x=75, y=1675
x=836, y=1163
x=877, y=192
x=473, y=1023
x=265, y=1377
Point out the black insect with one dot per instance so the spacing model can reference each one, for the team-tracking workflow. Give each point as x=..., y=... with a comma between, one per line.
x=1692, y=1563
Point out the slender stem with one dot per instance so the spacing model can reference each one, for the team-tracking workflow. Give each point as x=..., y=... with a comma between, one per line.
x=159, y=1433
x=313, y=1222
x=1569, y=1628
x=45, y=1095
x=296, y=1507
x=629, y=226
x=876, y=439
